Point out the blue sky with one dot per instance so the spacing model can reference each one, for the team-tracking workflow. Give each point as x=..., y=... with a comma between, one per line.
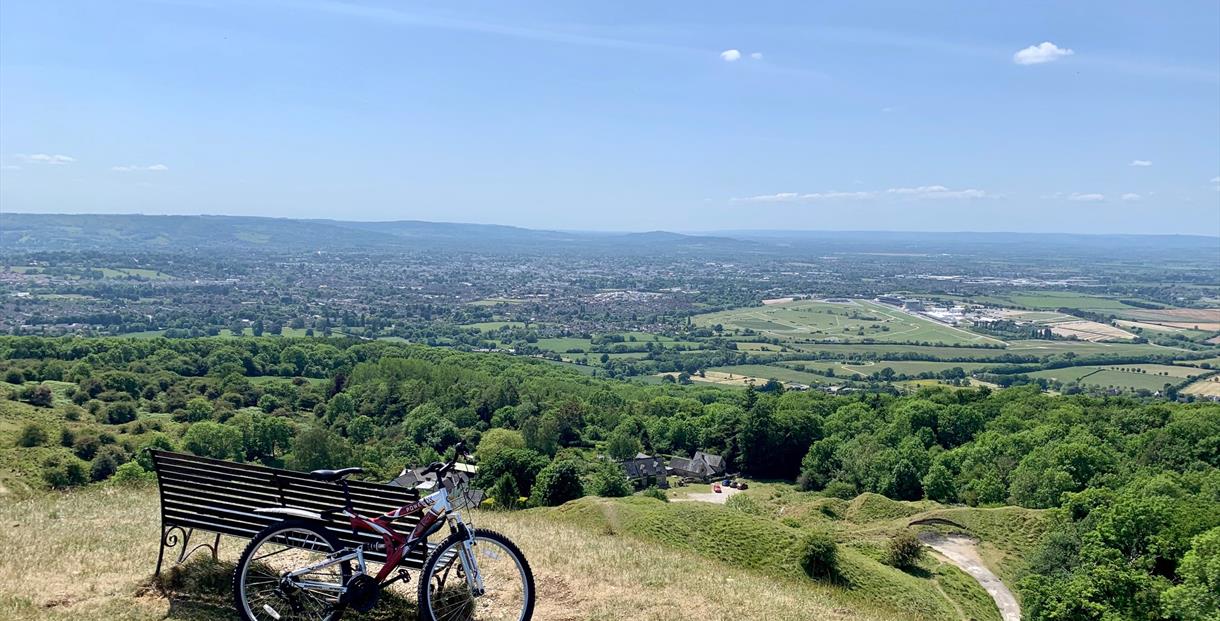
x=1033, y=116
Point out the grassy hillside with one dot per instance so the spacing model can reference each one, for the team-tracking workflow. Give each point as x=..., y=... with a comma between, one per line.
x=88, y=554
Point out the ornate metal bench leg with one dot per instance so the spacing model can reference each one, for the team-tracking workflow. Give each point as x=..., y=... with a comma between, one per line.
x=170, y=538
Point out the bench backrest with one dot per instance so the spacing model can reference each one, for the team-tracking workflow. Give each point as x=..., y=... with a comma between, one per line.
x=220, y=496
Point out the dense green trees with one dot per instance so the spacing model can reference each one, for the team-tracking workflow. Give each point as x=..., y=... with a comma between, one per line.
x=1134, y=485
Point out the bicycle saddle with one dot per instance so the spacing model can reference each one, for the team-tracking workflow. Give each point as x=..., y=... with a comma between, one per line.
x=334, y=475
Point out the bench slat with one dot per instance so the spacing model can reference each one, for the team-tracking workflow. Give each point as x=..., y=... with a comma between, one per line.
x=220, y=497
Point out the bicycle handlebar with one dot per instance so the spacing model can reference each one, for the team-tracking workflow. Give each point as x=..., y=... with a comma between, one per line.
x=440, y=469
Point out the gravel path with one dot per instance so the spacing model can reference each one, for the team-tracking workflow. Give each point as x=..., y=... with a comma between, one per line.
x=962, y=552
x=711, y=497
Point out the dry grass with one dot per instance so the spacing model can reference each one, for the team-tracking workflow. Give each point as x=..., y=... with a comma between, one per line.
x=1206, y=387
x=89, y=554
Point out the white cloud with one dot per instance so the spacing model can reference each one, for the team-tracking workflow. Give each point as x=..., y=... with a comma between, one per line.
x=1132, y=196
x=924, y=191
x=1140, y=163
x=731, y=56
x=1216, y=183
x=1087, y=197
x=136, y=168
x=937, y=191
x=1044, y=52
x=43, y=158
x=10, y=167
x=756, y=55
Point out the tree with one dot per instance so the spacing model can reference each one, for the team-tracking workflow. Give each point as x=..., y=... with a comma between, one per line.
x=196, y=410
x=557, y=483
x=938, y=484
x=523, y=465
x=212, y=439
x=317, y=448
x=106, y=463
x=622, y=444
x=1197, y=598
x=903, y=483
x=361, y=429
x=263, y=437
x=496, y=440
x=505, y=492
x=609, y=481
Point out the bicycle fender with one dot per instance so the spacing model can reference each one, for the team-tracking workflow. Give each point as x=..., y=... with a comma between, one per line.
x=301, y=513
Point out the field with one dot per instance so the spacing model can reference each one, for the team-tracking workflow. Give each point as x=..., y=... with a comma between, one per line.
x=493, y=326
x=1051, y=300
x=904, y=367
x=1134, y=376
x=1206, y=387
x=1090, y=331
x=739, y=374
x=856, y=321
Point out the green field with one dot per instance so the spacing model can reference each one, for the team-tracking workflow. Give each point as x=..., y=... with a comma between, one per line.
x=830, y=322
x=1050, y=300
x=493, y=326
x=564, y=344
x=905, y=367
x=1154, y=377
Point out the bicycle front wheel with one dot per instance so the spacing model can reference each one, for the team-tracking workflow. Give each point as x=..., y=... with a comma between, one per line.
x=285, y=574
x=445, y=591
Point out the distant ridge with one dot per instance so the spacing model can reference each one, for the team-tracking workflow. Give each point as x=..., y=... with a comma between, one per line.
x=21, y=232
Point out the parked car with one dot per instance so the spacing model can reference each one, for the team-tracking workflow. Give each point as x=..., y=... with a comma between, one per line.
x=716, y=488
x=743, y=485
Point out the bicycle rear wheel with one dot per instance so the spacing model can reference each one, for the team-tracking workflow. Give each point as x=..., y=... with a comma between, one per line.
x=262, y=588
x=508, y=584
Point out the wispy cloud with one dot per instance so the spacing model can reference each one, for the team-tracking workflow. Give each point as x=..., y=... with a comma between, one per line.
x=756, y=55
x=138, y=168
x=1044, y=52
x=1132, y=196
x=730, y=56
x=10, y=167
x=920, y=192
x=1216, y=183
x=45, y=158
x=1140, y=163
x=1086, y=197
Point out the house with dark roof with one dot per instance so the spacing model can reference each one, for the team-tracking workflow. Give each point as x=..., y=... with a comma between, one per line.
x=702, y=466
x=645, y=471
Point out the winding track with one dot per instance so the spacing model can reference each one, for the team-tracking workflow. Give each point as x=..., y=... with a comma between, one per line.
x=961, y=551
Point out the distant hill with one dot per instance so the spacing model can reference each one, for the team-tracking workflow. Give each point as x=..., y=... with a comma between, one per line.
x=37, y=232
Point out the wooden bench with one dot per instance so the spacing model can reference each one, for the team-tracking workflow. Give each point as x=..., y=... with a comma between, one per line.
x=219, y=497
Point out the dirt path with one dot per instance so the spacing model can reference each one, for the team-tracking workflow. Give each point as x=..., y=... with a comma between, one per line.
x=961, y=551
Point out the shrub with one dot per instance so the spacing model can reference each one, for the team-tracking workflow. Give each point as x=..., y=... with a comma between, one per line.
x=840, y=489
x=14, y=376
x=505, y=492
x=557, y=483
x=120, y=412
x=62, y=472
x=744, y=504
x=819, y=556
x=39, y=395
x=131, y=473
x=653, y=492
x=32, y=435
x=103, y=466
x=86, y=447
x=904, y=550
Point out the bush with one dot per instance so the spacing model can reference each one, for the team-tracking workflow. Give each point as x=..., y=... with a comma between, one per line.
x=819, y=556
x=14, y=376
x=131, y=473
x=841, y=490
x=557, y=483
x=120, y=412
x=653, y=492
x=505, y=492
x=744, y=504
x=32, y=435
x=904, y=550
x=62, y=472
x=39, y=395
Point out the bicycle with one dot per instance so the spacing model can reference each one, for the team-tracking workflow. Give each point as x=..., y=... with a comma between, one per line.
x=296, y=569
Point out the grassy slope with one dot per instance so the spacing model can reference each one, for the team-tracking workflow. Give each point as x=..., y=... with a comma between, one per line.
x=88, y=555
x=933, y=591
